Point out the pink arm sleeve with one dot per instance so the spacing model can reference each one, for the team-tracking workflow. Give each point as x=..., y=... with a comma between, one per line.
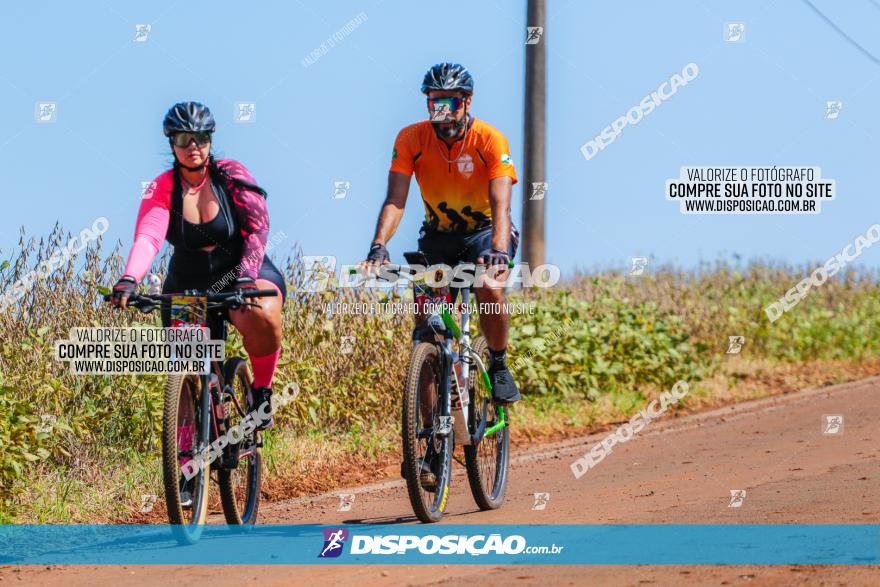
x=253, y=220
x=151, y=226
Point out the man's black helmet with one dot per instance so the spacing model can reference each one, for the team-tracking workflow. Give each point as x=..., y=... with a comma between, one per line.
x=188, y=117
x=448, y=76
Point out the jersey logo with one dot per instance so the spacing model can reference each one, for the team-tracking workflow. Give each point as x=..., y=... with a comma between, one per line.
x=393, y=153
x=505, y=158
x=466, y=165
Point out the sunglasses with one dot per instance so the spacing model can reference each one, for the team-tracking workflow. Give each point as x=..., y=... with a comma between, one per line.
x=441, y=109
x=183, y=139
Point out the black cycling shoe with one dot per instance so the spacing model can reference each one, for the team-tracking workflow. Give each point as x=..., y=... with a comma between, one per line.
x=256, y=398
x=504, y=390
x=427, y=478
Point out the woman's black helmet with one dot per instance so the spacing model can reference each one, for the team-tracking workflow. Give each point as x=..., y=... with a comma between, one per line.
x=188, y=117
x=448, y=76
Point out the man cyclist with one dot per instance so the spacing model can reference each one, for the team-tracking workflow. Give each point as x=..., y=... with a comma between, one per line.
x=465, y=176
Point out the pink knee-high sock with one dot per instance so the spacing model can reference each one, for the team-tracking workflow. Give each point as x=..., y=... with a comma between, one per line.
x=264, y=368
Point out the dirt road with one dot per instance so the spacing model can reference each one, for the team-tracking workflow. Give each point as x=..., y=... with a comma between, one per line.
x=677, y=470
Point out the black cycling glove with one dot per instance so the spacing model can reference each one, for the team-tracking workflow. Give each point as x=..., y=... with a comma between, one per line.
x=123, y=289
x=378, y=254
x=494, y=257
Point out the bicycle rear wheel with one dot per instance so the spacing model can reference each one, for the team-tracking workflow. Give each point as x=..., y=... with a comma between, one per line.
x=240, y=486
x=486, y=461
x=425, y=452
x=185, y=423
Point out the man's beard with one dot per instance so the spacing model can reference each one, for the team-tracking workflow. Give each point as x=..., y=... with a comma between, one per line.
x=450, y=132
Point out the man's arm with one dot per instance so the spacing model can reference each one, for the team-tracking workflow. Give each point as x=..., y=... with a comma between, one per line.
x=500, y=189
x=392, y=209
x=390, y=216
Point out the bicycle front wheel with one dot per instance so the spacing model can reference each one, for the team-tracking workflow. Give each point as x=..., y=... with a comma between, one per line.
x=184, y=420
x=427, y=455
x=486, y=461
x=240, y=485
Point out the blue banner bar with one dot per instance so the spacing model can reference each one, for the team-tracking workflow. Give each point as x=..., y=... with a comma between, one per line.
x=663, y=544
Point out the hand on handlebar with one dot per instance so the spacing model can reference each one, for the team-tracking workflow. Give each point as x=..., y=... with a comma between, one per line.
x=378, y=255
x=124, y=288
x=494, y=258
x=232, y=300
x=243, y=284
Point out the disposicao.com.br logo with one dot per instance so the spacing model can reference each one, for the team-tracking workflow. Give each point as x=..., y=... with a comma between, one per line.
x=454, y=544
x=334, y=541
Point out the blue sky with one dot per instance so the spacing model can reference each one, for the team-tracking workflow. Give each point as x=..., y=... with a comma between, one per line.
x=759, y=102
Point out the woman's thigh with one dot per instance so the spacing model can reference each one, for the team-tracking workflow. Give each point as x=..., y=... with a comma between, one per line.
x=268, y=315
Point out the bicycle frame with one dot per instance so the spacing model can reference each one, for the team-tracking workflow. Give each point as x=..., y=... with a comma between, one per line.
x=216, y=325
x=191, y=309
x=468, y=357
x=212, y=384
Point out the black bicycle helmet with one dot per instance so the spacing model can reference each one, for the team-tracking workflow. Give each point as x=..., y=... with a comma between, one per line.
x=188, y=117
x=448, y=76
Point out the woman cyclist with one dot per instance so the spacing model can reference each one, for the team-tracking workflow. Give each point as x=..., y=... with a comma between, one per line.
x=214, y=215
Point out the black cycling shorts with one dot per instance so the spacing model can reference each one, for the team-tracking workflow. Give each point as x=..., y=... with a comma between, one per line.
x=452, y=248
x=182, y=276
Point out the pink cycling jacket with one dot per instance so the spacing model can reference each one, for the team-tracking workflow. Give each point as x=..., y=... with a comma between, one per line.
x=153, y=218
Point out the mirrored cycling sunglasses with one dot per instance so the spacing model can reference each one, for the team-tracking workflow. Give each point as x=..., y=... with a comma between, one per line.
x=442, y=109
x=183, y=139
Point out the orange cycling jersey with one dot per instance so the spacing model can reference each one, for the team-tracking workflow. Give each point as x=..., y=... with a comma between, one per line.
x=454, y=182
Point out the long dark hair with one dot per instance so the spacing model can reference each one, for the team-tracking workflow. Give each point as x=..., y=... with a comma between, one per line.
x=224, y=175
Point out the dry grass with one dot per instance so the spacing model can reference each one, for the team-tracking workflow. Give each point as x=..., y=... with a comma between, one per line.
x=628, y=340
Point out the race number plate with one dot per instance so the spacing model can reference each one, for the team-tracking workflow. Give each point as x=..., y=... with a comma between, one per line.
x=427, y=295
x=188, y=311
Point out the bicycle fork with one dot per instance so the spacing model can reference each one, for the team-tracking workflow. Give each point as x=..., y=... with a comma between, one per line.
x=447, y=374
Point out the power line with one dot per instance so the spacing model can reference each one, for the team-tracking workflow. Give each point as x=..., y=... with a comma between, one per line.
x=852, y=41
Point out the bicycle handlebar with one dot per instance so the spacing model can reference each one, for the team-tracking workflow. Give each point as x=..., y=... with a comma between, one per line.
x=215, y=300
x=510, y=264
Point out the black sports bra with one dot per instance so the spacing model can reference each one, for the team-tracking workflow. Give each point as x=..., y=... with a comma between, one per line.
x=214, y=232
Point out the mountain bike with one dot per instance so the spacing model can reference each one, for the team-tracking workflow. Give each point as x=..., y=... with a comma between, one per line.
x=447, y=400
x=200, y=408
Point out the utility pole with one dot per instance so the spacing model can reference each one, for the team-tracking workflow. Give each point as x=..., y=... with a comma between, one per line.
x=535, y=101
